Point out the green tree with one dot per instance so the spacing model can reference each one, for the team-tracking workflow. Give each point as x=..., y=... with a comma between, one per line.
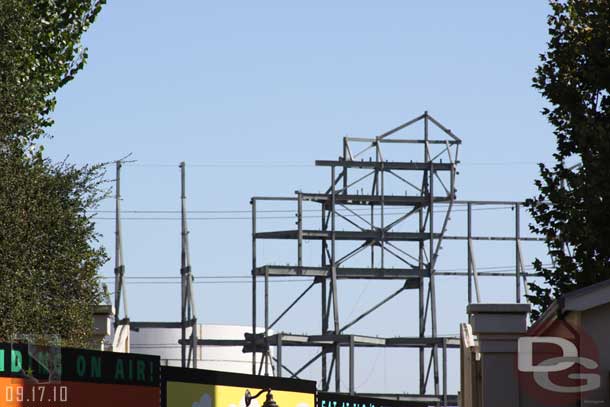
x=571, y=210
x=49, y=259
x=49, y=253
x=40, y=51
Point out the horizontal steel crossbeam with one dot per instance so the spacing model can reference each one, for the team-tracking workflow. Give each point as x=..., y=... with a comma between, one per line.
x=342, y=272
x=341, y=340
x=388, y=200
x=347, y=235
x=389, y=165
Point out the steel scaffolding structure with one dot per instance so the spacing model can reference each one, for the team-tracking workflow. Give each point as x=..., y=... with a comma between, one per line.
x=363, y=180
x=374, y=234
x=355, y=222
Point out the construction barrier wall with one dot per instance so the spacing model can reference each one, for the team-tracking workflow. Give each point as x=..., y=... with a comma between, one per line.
x=345, y=400
x=66, y=377
x=32, y=376
x=207, y=388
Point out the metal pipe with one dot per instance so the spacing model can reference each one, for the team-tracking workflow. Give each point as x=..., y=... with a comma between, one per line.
x=444, y=372
x=300, y=228
x=351, y=365
x=183, y=305
x=119, y=267
x=469, y=223
x=422, y=324
x=323, y=306
x=333, y=268
x=517, y=268
x=432, y=260
x=253, y=204
x=279, y=355
x=266, y=313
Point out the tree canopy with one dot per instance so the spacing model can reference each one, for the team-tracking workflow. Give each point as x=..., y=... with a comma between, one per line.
x=571, y=210
x=48, y=271
x=40, y=51
x=49, y=253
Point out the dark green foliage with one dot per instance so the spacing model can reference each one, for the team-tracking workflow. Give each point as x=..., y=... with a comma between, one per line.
x=40, y=51
x=572, y=210
x=48, y=272
x=49, y=256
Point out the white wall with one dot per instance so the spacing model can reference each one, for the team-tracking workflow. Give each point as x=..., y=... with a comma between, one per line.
x=164, y=343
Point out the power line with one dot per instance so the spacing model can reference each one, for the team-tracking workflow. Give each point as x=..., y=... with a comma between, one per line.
x=275, y=281
x=171, y=211
x=245, y=278
x=346, y=214
x=293, y=164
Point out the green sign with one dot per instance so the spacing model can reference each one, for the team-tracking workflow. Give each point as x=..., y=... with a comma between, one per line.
x=78, y=365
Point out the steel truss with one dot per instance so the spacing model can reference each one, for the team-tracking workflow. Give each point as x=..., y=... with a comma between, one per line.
x=359, y=181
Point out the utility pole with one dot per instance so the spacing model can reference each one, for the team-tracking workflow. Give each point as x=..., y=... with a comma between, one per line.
x=119, y=266
x=188, y=315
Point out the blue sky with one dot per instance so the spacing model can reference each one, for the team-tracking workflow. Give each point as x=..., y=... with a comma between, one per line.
x=249, y=94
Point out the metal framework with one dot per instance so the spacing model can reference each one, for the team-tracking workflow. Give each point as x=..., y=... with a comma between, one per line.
x=120, y=342
x=354, y=211
x=358, y=180
x=365, y=231
x=119, y=266
x=188, y=316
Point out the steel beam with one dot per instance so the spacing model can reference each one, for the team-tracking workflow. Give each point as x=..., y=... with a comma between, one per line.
x=342, y=272
x=391, y=165
x=348, y=235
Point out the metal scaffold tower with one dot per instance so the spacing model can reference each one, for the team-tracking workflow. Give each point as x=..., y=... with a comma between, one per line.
x=359, y=179
x=381, y=218
x=361, y=239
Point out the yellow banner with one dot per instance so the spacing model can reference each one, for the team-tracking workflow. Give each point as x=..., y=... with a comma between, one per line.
x=181, y=394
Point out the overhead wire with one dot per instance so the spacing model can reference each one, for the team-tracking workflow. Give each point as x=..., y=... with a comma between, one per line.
x=159, y=218
x=245, y=278
x=290, y=164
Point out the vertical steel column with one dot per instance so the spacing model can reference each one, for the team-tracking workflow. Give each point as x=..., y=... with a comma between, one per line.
x=517, y=254
x=324, y=332
x=300, y=228
x=189, y=315
x=345, y=167
x=444, y=372
x=422, y=322
x=423, y=304
x=323, y=305
x=382, y=220
x=182, y=278
x=351, y=365
x=119, y=266
x=372, y=228
x=333, y=269
x=264, y=355
x=253, y=203
x=469, y=227
x=432, y=261
x=279, y=355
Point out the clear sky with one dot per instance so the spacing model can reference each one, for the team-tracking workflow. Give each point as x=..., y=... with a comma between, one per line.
x=249, y=94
